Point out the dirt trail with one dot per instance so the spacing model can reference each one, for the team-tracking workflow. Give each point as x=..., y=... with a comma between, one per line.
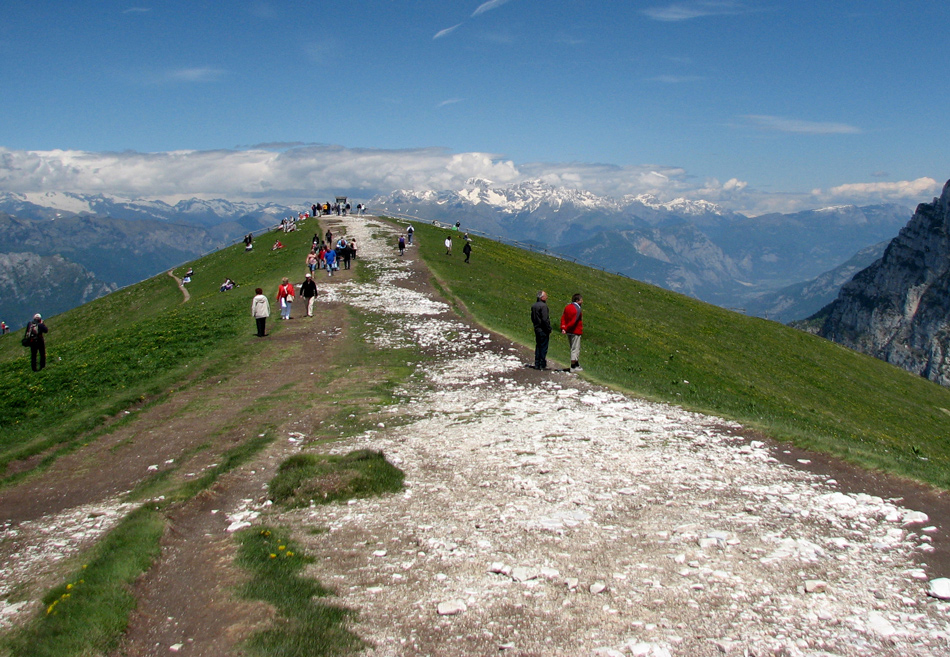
x=542, y=515
x=181, y=286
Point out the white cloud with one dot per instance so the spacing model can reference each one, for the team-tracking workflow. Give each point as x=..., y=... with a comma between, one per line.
x=449, y=101
x=447, y=31
x=797, y=126
x=137, y=10
x=881, y=192
x=197, y=74
x=288, y=172
x=683, y=11
x=488, y=6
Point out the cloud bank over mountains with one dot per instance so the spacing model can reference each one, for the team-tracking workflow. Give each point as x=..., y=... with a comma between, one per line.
x=288, y=172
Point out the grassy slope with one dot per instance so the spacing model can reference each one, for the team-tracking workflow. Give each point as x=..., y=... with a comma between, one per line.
x=132, y=345
x=651, y=342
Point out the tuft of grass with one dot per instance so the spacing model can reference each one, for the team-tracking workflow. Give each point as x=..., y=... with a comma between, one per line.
x=306, y=625
x=88, y=614
x=324, y=478
x=664, y=346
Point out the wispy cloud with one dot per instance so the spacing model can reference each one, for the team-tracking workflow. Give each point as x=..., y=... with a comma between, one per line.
x=488, y=6
x=675, y=79
x=684, y=11
x=450, y=101
x=197, y=74
x=798, y=126
x=137, y=10
x=447, y=31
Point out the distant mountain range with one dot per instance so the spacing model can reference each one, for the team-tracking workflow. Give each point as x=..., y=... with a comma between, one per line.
x=693, y=247
x=59, y=250
x=774, y=265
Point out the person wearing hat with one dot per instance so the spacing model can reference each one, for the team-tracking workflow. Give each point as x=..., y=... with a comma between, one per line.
x=34, y=332
x=309, y=291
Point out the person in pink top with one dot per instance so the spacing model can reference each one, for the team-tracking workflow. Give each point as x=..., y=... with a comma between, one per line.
x=573, y=326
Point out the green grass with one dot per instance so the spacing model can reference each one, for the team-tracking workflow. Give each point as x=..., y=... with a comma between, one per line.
x=131, y=346
x=668, y=347
x=322, y=478
x=306, y=625
x=87, y=614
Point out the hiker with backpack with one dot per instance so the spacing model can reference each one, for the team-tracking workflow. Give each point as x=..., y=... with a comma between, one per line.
x=285, y=297
x=33, y=338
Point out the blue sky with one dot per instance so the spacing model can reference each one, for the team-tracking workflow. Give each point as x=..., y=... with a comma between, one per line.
x=758, y=105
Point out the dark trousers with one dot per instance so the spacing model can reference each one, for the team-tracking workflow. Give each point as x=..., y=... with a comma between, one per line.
x=37, y=349
x=541, y=340
x=260, y=326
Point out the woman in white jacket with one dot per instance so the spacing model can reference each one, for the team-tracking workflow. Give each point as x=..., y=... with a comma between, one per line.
x=260, y=310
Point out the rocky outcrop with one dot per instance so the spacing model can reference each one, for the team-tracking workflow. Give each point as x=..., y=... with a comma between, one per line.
x=898, y=309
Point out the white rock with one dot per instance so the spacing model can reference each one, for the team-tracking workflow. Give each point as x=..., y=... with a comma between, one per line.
x=451, y=608
x=914, y=517
x=815, y=586
x=939, y=588
x=523, y=574
x=877, y=624
x=598, y=587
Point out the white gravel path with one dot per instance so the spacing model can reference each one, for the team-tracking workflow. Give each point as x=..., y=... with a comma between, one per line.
x=545, y=516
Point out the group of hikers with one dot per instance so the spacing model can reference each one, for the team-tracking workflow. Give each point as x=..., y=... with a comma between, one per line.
x=327, y=255
x=340, y=209
x=324, y=254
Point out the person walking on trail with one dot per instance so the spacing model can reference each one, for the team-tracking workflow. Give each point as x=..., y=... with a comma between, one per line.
x=330, y=259
x=541, y=320
x=309, y=291
x=573, y=327
x=409, y=231
x=285, y=297
x=312, y=261
x=329, y=237
x=33, y=337
x=448, y=245
x=260, y=311
x=402, y=245
x=467, y=249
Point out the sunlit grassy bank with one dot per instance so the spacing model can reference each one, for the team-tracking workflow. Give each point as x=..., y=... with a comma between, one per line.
x=669, y=347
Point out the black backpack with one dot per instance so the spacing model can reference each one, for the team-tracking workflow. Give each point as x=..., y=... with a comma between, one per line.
x=30, y=335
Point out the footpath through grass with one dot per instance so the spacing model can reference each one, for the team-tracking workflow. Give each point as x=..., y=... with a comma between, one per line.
x=145, y=344
x=132, y=346
x=668, y=347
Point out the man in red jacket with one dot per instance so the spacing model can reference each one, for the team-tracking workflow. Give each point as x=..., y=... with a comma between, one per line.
x=573, y=327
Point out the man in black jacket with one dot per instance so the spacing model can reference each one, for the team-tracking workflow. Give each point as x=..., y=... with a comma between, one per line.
x=542, y=330
x=309, y=291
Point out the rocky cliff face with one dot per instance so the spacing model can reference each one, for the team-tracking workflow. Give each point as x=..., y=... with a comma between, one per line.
x=32, y=283
x=898, y=309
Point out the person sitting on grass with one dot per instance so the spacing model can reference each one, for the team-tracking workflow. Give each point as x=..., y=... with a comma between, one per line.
x=277, y=245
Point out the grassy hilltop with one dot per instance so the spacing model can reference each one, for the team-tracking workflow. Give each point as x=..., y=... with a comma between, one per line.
x=665, y=346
